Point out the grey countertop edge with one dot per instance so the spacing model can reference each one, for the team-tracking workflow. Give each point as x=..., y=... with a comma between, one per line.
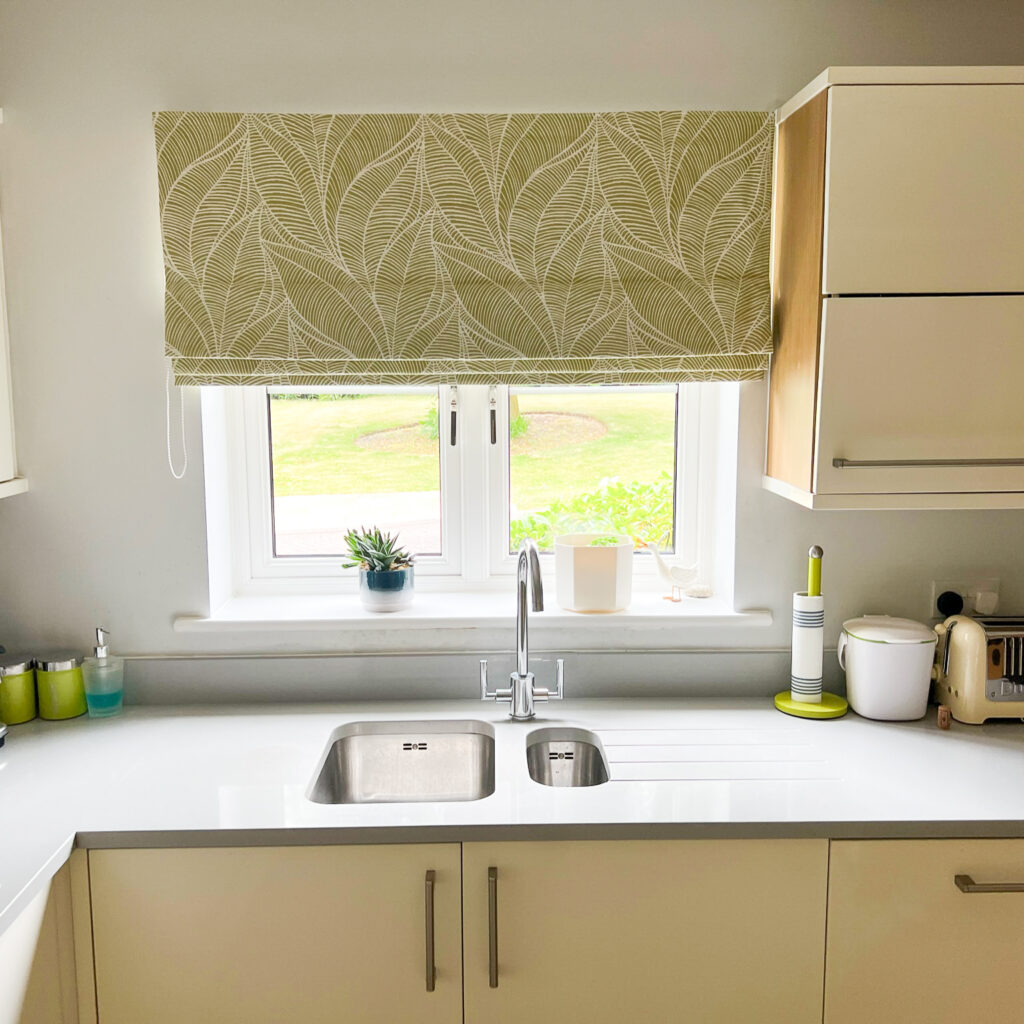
x=163, y=839
x=205, y=838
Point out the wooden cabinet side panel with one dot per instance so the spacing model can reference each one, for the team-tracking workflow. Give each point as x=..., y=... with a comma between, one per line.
x=904, y=944
x=796, y=292
x=606, y=932
x=265, y=935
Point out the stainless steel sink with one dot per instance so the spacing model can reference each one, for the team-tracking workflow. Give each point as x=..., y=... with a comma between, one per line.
x=566, y=757
x=396, y=762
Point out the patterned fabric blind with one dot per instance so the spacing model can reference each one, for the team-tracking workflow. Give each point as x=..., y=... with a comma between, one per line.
x=466, y=248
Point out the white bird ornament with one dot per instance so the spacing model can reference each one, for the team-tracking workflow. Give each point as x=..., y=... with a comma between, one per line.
x=681, y=578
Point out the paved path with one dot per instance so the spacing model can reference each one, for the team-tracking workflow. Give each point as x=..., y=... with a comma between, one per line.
x=316, y=524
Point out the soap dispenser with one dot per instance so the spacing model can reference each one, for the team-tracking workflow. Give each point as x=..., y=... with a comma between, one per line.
x=104, y=679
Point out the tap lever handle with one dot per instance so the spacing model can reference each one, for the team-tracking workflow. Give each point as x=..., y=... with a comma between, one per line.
x=501, y=696
x=559, y=679
x=541, y=694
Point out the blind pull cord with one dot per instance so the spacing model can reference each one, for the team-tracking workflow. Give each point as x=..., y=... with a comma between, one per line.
x=168, y=382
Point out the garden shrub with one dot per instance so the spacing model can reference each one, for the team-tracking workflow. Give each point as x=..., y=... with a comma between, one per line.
x=643, y=511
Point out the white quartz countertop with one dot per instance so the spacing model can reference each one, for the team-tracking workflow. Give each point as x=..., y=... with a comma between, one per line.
x=239, y=775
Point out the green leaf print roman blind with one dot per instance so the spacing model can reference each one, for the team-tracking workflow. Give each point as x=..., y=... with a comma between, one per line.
x=466, y=248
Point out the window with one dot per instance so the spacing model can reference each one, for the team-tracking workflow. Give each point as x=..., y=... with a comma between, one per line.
x=340, y=459
x=593, y=459
x=463, y=474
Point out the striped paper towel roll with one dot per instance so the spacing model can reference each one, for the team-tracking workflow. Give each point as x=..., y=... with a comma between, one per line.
x=808, y=645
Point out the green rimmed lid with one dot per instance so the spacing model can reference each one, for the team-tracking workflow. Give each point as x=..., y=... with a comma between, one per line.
x=884, y=629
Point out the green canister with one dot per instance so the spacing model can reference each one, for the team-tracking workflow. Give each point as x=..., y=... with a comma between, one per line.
x=17, y=689
x=60, y=685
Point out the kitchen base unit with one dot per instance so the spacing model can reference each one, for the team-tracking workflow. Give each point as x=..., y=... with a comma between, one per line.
x=262, y=935
x=925, y=930
x=602, y=931
x=718, y=931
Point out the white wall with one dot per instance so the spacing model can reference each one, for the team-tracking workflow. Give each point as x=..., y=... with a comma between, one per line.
x=105, y=535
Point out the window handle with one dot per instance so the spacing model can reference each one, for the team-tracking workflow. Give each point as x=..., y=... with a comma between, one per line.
x=454, y=416
x=493, y=403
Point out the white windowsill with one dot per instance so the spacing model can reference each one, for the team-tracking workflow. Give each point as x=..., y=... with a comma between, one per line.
x=17, y=485
x=464, y=610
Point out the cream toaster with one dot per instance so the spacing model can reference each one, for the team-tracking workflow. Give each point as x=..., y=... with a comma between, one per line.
x=979, y=667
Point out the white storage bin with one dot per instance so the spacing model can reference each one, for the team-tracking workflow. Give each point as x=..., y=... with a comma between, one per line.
x=888, y=664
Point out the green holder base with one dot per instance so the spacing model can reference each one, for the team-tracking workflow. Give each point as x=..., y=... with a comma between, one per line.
x=831, y=706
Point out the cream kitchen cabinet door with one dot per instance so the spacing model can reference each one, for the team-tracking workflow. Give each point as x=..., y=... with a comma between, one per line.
x=9, y=484
x=719, y=932
x=925, y=189
x=906, y=944
x=918, y=383
x=267, y=935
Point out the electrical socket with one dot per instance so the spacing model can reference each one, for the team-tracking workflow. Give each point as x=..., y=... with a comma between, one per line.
x=968, y=587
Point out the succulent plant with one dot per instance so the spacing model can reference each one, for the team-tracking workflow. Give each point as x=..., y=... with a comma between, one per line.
x=376, y=551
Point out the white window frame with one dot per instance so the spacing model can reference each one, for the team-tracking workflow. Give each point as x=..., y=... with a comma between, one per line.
x=474, y=520
x=697, y=413
x=264, y=564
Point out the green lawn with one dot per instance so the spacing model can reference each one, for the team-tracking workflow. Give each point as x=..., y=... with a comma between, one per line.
x=315, y=449
x=639, y=445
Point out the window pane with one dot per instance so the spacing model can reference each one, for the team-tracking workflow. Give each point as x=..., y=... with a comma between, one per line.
x=592, y=460
x=340, y=461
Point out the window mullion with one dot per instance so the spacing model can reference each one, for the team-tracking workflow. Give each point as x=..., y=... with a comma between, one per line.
x=257, y=474
x=472, y=438
x=499, y=560
x=688, y=475
x=450, y=481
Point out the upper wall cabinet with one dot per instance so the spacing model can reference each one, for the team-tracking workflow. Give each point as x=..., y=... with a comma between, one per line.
x=10, y=482
x=8, y=469
x=898, y=291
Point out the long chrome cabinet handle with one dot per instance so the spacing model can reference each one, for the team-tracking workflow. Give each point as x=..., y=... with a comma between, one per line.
x=967, y=884
x=492, y=927
x=428, y=894
x=921, y=463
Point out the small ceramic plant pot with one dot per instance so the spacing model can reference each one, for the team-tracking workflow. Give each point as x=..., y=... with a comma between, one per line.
x=593, y=572
x=387, y=591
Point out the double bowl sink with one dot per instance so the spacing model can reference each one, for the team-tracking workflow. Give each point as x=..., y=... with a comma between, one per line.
x=397, y=762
